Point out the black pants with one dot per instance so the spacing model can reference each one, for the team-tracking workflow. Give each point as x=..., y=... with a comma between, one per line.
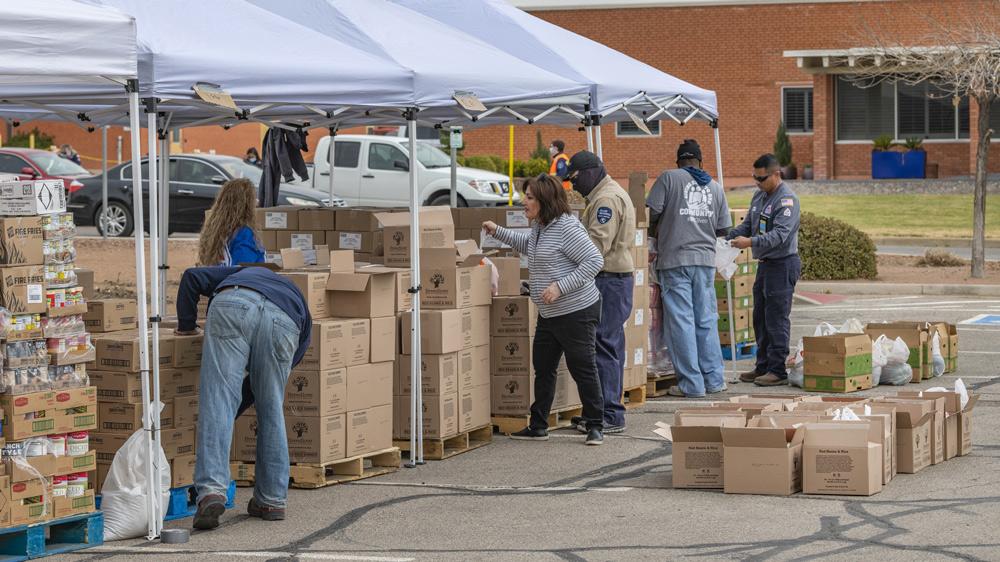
x=574, y=334
x=772, y=305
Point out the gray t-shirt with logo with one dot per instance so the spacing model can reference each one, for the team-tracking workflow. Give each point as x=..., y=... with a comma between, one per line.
x=687, y=216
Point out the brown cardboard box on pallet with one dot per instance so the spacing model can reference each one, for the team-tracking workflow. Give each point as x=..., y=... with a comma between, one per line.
x=369, y=429
x=301, y=239
x=110, y=315
x=277, y=218
x=310, y=440
x=312, y=284
x=436, y=231
x=454, y=281
x=474, y=407
x=182, y=471
x=316, y=393
x=512, y=356
x=513, y=316
x=119, y=352
x=115, y=417
x=447, y=331
x=369, y=385
x=474, y=367
x=440, y=416
x=365, y=292
x=337, y=343
x=439, y=374
x=317, y=219
x=127, y=387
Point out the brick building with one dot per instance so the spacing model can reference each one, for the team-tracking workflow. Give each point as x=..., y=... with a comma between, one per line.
x=767, y=60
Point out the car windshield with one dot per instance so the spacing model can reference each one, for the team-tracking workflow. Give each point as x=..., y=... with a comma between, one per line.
x=55, y=165
x=432, y=157
x=240, y=169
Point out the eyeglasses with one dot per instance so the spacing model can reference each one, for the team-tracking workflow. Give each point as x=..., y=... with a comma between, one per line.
x=761, y=179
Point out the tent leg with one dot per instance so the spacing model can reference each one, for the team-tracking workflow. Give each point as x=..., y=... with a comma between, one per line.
x=416, y=391
x=331, y=156
x=732, y=329
x=140, y=286
x=104, y=182
x=597, y=139
x=453, y=152
x=588, y=130
x=718, y=156
x=154, y=298
x=164, y=218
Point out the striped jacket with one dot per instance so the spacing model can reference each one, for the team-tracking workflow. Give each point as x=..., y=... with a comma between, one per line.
x=561, y=253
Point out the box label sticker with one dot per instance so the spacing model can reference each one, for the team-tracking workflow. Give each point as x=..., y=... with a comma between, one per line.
x=302, y=241
x=350, y=241
x=275, y=220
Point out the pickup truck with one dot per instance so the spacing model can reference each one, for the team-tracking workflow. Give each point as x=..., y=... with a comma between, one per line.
x=373, y=171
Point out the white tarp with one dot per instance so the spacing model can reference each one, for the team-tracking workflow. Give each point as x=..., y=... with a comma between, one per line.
x=614, y=77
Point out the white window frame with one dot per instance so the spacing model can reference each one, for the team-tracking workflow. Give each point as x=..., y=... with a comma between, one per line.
x=895, y=122
x=798, y=87
x=639, y=134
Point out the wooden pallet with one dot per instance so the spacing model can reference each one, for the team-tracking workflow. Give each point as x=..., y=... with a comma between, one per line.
x=311, y=476
x=58, y=536
x=440, y=449
x=744, y=350
x=557, y=419
x=658, y=386
x=634, y=397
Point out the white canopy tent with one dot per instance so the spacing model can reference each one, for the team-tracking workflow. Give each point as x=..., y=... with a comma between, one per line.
x=74, y=51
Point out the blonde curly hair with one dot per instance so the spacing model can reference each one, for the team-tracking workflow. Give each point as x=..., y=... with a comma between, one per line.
x=233, y=209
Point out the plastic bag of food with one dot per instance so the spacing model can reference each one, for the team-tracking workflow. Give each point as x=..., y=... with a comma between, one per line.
x=725, y=258
x=824, y=329
x=796, y=367
x=936, y=357
x=852, y=326
x=880, y=349
x=896, y=370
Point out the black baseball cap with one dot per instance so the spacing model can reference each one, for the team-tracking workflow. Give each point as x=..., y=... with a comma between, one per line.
x=583, y=160
x=689, y=149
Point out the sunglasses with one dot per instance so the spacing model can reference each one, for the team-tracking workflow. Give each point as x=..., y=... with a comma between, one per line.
x=761, y=179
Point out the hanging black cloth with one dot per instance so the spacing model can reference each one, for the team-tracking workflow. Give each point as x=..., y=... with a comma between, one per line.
x=282, y=156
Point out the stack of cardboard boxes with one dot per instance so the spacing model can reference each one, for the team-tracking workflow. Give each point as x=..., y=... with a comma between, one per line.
x=116, y=374
x=455, y=298
x=48, y=406
x=637, y=327
x=742, y=283
x=837, y=363
x=781, y=445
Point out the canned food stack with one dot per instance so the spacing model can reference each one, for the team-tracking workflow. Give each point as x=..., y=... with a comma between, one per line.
x=49, y=407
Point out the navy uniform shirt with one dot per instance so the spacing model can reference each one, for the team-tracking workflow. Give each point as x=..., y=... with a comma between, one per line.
x=772, y=224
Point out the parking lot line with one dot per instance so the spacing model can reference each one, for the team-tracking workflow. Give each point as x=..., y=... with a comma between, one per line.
x=269, y=554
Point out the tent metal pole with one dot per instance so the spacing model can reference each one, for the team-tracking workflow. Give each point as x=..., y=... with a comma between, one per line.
x=164, y=217
x=154, y=296
x=729, y=283
x=332, y=157
x=104, y=182
x=416, y=393
x=140, y=286
x=597, y=137
x=588, y=130
x=453, y=153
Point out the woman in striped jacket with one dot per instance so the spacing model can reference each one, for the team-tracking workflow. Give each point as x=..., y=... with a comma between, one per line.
x=562, y=264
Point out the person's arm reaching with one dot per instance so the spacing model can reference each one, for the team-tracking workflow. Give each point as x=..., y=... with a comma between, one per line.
x=516, y=240
x=196, y=283
x=578, y=247
x=723, y=218
x=743, y=230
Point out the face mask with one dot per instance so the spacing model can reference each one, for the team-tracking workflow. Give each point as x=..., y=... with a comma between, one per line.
x=553, y=151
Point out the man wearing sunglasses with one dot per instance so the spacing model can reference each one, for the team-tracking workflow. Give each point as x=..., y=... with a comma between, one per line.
x=687, y=211
x=771, y=229
x=610, y=220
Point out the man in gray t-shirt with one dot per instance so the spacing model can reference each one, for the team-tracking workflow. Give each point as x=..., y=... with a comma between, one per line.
x=689, y=210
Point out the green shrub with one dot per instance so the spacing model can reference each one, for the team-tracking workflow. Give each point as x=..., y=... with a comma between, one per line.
x=940, y=258
x=783, y=146
x=534, y=167
x=834, y=250
x=541, y=151
x=499, y=164
x=883, y=142
x=21, y=139
x=480, y=162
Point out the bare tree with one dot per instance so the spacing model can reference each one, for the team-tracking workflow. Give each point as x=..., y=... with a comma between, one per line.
x=961, y=57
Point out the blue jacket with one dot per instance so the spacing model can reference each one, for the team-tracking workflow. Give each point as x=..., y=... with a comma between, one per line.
x=243, y=248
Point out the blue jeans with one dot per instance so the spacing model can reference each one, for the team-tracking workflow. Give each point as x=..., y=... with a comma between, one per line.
x=244, y=332
x=616, y=306
x=691, y=325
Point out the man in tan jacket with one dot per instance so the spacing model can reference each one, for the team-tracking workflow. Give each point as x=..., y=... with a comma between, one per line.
x=610, y=220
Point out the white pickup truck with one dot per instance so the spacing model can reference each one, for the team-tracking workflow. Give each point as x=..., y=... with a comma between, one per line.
x=373, y=171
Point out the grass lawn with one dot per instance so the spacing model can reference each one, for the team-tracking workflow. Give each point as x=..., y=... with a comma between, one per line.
x=928, y=216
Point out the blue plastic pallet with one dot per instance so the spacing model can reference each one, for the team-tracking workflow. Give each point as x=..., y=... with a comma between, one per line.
x=183, y=502
x=68, y=534
x=743, y=351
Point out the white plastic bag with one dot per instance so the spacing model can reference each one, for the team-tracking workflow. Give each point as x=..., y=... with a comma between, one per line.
x=825, y=329
x=845, y=414
x=795, y=365
x=936, y=357
x=879, y=351
x=725, y=258
x=963, y=393
x=123, y=497
x=494, y=276
x=852, y=326
x=896, y=370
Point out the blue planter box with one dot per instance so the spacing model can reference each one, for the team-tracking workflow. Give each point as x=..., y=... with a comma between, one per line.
x=888, y=164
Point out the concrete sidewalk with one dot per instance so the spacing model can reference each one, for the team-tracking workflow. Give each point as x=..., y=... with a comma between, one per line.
x=896, y=289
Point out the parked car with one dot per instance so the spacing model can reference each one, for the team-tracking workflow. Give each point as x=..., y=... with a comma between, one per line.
x=32, y=164
x=373, y=171
x=195, y=180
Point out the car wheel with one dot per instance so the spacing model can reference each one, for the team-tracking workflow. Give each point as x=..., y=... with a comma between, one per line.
x=118, y=221
x=444, y=200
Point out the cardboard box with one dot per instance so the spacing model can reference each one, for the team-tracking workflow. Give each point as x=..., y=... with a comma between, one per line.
x=384, y=339
x=404, y=299
x=839, y=354
x=50, y=465
x=567, y=395
x=451, y=281
x=66, y=506
x=509, y=270
x=317, y=219
x=762, y=459
x=106, y=445
x=360, y=242
x=512, y=356
x=358, y=219
x=438, y=374
x=268, y=239
x=119, y=352
x=51, y=412
x=938, y=423
x=310, y=440
x=436, y=231
x=838, y=458
x=742, y=336
x=697, y=450
x=316, y=393
x=186, y=411
x=32, y=197
x=277, y=218
x=369, y=430
x=178, y=442
x=512, y=395
x=513, y=316
x=474, y=408
x=836, y=383
x=369, y=385
x=739, y=303
x=337, y=343
x=22, y=289
x=188, y=351
x=182, y=471
x=440, y=416
x=368, y=292
x=116, y=417
x=110, y=315
x=21, y=241
x=126, y=388
x=742, y=287
x=447, y=331
x=474, y=367
x=914, y=423
x=312, y=284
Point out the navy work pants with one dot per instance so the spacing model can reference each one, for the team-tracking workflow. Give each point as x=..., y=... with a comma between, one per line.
x=772, y=306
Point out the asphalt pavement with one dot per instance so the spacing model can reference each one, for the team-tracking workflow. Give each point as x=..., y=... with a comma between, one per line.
x=560, y=500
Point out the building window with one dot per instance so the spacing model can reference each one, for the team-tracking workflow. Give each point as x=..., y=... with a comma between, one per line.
x=900, y=110
x=995, y=118
x=628, y=129
x=797, y=109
